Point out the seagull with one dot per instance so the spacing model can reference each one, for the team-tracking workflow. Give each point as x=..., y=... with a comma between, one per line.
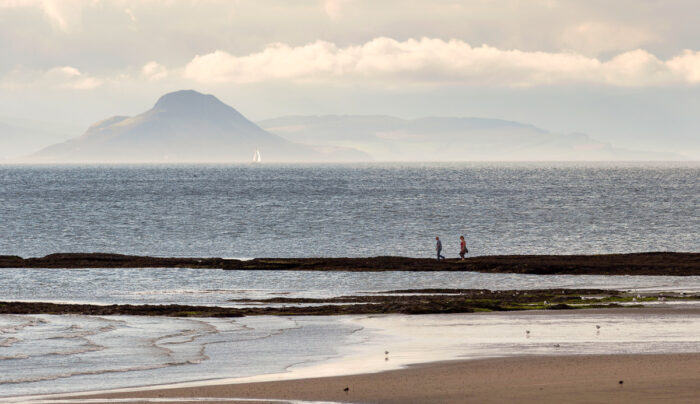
x=386, y=352
x=527, y=332
x=597, y=326
x=557, y=345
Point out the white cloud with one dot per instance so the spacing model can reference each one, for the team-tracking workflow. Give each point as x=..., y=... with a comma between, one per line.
x=154, y=71
x=687, y=65
x=431, y=60
x=64, y=77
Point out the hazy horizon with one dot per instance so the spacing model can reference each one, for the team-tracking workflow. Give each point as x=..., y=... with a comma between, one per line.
x=190, y=127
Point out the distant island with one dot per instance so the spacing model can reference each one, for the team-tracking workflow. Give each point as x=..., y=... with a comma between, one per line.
x=190, y=127
x=388, y=138
x=186, y=127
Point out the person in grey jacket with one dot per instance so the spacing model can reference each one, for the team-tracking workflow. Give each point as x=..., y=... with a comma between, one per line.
x=438, y=248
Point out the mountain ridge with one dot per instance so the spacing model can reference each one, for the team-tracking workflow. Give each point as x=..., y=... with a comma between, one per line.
x=184, y=126
x=191, y=127
x=438, y=138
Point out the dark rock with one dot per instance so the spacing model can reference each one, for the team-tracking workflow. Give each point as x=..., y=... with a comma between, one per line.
x=659, y=263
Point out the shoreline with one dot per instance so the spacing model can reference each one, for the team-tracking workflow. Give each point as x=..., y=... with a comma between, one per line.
x=650, y=263
x=415, y=359
x=668, y=378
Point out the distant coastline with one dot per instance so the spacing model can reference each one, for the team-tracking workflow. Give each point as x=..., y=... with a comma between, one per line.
x=649, y=263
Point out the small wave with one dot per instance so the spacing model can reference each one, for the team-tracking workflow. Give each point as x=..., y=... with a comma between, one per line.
x=186, y=292
x=88, y=347
x=190, y=335
x=8, y=342
x=85, y=333
x=13, y=357
x=25, y=322
x=92, y=347
x=93, y=372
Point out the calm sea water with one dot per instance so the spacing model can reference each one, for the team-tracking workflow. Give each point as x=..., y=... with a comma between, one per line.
x=349, y=210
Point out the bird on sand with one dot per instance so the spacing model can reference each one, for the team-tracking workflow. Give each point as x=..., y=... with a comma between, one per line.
x=597, y=326
x=346, y=389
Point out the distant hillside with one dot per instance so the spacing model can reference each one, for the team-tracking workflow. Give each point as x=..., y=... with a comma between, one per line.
x=19, y=138
x=448, y=139
x=186, y=126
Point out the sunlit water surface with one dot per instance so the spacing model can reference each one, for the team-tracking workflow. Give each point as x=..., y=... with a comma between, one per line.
x=350, y=210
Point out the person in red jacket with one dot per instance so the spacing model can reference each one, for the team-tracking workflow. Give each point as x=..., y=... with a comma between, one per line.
x=462, y=247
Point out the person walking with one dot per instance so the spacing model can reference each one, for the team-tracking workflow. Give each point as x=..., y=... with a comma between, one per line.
x=462, y=247
x=438, y=248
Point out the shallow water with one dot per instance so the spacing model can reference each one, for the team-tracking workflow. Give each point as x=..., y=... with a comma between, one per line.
x=75, y=353
x=217, y=287
x=49, y=354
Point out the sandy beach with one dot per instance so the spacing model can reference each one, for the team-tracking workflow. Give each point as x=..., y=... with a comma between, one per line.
x=669, y=378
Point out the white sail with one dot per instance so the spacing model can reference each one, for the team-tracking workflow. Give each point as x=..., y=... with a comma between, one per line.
x=256, y=157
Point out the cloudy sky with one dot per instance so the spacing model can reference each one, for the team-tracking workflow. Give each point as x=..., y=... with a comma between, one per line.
x=624, y=71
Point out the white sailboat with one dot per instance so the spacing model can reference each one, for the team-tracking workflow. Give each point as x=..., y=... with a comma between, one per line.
x=256, y=157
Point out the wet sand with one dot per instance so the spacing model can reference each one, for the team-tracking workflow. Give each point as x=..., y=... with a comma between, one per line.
x=652, y=263
x=668, y=378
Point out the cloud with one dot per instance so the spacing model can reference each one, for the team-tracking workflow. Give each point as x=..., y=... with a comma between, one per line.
x=687, y=65
x=430, y=60
x=64, y=77
x=154, y=71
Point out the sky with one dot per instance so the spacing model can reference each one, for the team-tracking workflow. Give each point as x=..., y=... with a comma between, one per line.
x=624, y=71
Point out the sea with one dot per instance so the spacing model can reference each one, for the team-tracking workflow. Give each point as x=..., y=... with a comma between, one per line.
x=364, y=210
x=247, y=211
